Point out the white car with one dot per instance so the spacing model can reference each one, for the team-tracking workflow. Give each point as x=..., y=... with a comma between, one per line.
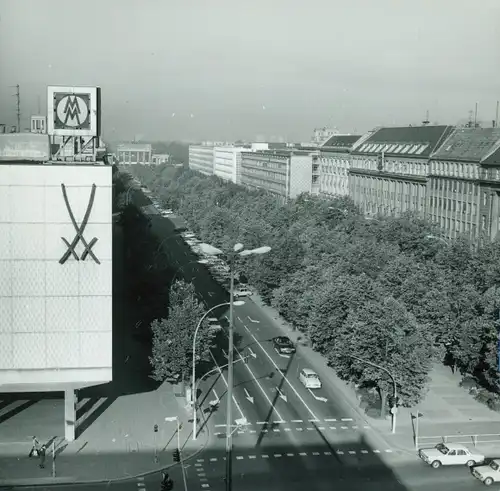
x=450, y=454
x=242, y=293
x=488, y=474
x=309, y=379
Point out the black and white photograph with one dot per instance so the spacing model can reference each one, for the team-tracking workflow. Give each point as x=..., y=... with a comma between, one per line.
x=249, y=245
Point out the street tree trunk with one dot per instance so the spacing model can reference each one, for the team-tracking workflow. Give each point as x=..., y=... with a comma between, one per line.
x=383, y=403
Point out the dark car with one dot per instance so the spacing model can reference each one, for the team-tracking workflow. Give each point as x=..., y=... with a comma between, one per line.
x=283, y=345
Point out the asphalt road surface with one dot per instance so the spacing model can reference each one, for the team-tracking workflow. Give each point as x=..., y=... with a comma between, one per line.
x=295, y=438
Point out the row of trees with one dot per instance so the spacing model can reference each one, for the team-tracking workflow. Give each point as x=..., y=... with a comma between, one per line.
x=169, y=312
x=386, y=290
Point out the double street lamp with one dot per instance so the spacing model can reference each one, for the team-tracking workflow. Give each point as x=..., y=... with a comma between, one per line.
x=238, y=250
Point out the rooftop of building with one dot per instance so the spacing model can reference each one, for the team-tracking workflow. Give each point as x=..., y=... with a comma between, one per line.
x=405, y=141
x=469, y=144
x=340, y=141
x=134, y=147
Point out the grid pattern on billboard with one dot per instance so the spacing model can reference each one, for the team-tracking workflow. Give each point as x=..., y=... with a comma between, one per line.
x=53, y=314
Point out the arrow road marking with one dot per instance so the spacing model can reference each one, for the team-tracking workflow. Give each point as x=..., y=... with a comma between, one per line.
x=252, y=354
x=283, y=396
x=225, y=382
x=281, y=372
x=247, y=395
x=322, y=399
x=216, y=396
x=253, y=320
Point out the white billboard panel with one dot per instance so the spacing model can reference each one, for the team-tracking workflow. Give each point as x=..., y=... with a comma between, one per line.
x=24, y=146
x=73, y=111
x=56, y=274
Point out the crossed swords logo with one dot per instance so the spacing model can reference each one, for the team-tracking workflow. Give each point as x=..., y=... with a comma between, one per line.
x=79, y=231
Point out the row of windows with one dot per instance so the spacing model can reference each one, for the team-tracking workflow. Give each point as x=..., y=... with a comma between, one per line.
x=454, y=169
x=454, y=186
x=264, y=164
x=452, y=205
x=408, y=148
x=454, y=227
x=262, y=183
x=330, y=169
x=268, y=175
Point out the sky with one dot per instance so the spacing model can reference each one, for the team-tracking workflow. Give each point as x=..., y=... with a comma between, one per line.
x=232, y=69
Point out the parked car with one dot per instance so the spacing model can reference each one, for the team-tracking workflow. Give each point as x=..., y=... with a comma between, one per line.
x=488, y=474
x=450, y=454
x=242, y=293
x=283, y=345
x=309, y=379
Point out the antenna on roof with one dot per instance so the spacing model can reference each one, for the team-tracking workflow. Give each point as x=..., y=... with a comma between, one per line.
x=496, y=115
x=426, y=121
x=475, y=117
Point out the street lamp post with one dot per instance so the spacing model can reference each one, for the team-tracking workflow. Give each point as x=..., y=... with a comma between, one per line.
x=238, y=250
x=395, y=393
x=193, y=379
x=127, y=195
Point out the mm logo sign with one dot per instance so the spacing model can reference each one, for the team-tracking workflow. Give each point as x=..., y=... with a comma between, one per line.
x=72, y=111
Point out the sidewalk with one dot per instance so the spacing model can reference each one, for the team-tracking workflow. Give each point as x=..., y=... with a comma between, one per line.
x=120, y=444
x=447, y=409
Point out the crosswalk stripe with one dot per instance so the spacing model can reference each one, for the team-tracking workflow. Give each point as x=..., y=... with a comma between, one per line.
x=315, y=453
x=239, y=457
x=352, y=452
x=265, y=456
x=347, y=419
x=364, y=451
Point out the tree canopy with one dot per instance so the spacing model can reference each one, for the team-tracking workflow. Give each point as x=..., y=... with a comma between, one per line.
x=386, y=290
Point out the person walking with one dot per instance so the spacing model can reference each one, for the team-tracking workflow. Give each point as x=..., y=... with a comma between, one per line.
x=34, y=448
x=42, y=451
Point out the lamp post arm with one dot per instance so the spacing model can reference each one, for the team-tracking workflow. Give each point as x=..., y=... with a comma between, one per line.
x=380, y=368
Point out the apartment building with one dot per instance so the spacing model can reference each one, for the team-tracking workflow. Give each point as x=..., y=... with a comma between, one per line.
x=284, y=173
x=227, y=163
x=334, y=162
x=134, y=153
x=388, y=170
x=201, y=158
x=464, y=182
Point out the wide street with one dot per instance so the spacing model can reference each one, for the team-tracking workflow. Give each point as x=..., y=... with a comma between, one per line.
x=295, y=437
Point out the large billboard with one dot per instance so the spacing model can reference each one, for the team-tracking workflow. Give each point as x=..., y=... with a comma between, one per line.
x=55, y=275
x=73, y=111
x=24, y=146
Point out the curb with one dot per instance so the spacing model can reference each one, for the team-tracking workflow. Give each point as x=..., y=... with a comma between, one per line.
x=62, y=481
x=338, y=385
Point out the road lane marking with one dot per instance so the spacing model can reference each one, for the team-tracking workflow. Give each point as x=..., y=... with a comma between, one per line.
x=346, y=419
x=280, y=392
x=330, y=420
x=252, y=456
x=227, y=385
x=327, y=453
x=279, y=370
x=265, y=456
x=248, y=396
x=260, y=386
x=303, y=454
x=344, y=427
x=277, y=455
x=261, y=423
x=298, y=420
x=321, y=428
x=239, y=457
x=314, y=420
x=352, y=452
x=219, y=426
x=213, y=460
x=315, y=453
x=253, y=320
x=322, y=399
x=339, y=452
x=364, y=451
x=290, y=454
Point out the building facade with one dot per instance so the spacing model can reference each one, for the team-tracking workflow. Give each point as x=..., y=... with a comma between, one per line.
x=463, y=184
x=38, y=124
x=227, y=163
x=334, y=162
x=321, y=135
x=201, y=158
x=285, y=174
x=160, y=158
x=388, y=170
x=135, y=153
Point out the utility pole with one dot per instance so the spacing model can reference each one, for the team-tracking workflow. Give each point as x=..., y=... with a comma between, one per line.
x=18, y=97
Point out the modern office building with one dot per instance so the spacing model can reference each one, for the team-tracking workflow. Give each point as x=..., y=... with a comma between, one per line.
x=334, y=161
x=388, y=170
x=322, y=135
x=284, y=173
x=55, y=259
x=227, y=163
x=135, y=153
x=464, y=182
x=201, y=158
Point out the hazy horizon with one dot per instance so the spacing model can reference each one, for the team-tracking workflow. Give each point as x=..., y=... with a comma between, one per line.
x=224, y=70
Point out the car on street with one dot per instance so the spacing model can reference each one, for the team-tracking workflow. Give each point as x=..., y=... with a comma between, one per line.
x=488, y=474
x=309, y=379
x=283, y=345
x=242, y=293
x=450, y=454
x=165, y=214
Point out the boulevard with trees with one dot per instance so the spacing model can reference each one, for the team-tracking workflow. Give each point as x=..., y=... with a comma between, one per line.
x=388, y=290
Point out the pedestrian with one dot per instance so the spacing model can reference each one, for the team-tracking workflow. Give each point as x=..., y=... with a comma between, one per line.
x=42, y=451
x=34, y=448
